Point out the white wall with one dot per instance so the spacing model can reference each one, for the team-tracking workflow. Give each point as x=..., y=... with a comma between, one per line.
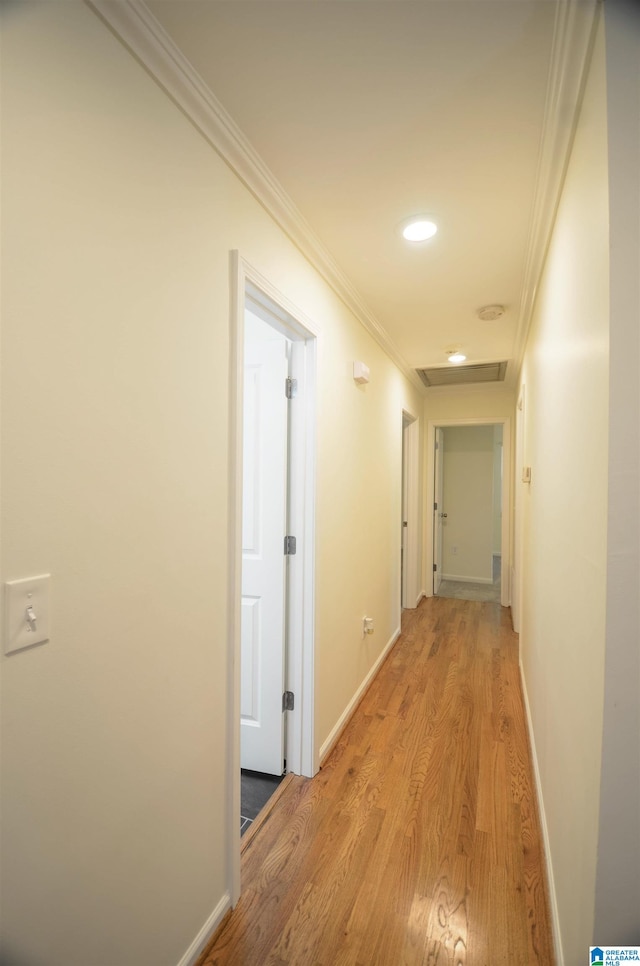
x=563, y=520
x=467, y=531
x=118, y=221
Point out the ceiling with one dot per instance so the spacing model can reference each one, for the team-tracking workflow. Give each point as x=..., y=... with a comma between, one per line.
x=368, y=112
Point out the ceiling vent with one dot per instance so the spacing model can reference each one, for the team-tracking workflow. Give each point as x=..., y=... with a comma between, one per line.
x=463, y=375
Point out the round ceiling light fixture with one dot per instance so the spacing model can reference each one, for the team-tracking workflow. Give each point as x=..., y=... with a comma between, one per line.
x=418, y=229
x=489, y=313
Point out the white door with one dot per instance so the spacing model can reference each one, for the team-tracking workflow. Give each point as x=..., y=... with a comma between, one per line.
x=263, y=561
x=438, y=510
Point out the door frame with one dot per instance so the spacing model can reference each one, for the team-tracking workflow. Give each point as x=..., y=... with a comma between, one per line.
x=519, y=463
x=247, y=284
x=505, y=542
x=436, y=513
x=411, y=591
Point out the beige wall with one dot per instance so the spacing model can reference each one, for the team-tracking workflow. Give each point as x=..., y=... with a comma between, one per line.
x=617, y=913
x=470, y=403
x=118, y=221
x=359, y=511
x=563, y=520
x=467, y=531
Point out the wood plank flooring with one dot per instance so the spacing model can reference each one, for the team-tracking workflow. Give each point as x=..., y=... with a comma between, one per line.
x=419, y=841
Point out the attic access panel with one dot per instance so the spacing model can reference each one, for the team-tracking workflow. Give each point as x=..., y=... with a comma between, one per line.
x=463, y=375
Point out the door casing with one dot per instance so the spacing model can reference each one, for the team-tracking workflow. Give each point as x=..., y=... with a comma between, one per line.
x=246, y=283
x=411, y=590
x=437, y=507
x=519, y=462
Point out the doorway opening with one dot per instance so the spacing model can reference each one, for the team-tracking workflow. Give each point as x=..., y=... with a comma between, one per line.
x=469, y=489
x=265, y=596
x=271, y=522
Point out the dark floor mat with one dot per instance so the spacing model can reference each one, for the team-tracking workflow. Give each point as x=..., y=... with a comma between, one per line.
x=255, y=791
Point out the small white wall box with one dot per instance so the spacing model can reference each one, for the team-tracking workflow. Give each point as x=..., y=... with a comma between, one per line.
x=360, y=372
x=26, y=612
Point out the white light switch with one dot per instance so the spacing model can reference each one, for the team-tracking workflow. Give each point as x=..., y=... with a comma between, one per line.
x=26, y=609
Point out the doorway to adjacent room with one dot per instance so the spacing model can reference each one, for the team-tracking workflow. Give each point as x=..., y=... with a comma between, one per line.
x=272, y=496
x=469, y=490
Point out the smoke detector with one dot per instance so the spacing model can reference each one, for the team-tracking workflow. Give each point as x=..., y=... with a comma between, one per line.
x=489, y=313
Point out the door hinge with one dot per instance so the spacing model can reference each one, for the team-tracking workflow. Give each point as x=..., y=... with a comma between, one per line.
x=290, y=388
x=289, y=546
x=287, y=701
x=435, y=567
x=435, y=506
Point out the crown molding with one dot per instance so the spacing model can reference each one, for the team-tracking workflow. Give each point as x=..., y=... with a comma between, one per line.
x=574, y=34
x=135, y=26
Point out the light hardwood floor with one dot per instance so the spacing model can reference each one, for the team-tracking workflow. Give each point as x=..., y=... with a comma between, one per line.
x=419, y=840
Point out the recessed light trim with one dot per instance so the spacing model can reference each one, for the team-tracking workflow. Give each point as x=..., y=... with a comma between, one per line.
x=457, y=357
x=418, y=229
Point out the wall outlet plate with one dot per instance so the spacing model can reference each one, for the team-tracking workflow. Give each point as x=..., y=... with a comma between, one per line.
x=27, y=612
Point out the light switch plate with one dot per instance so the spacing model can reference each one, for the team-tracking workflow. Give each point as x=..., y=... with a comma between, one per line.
x=19, y=597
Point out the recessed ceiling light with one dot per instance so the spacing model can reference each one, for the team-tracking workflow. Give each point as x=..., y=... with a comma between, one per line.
x=457, y=357
x=419, y=229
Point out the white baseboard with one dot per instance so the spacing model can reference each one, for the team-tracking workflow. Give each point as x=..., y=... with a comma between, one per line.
x=207, y=931
x=553, y=899
x=468, y=580
x=343, y=720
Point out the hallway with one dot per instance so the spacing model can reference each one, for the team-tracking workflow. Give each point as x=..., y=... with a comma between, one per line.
x=419, y=840
x=151, y=191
